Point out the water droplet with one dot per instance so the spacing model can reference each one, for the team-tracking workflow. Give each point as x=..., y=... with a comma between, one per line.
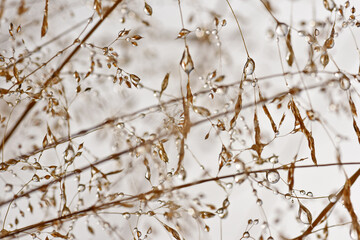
x=270, y=238
x=274, y=159
x=301, y=33
x=310, y=67
x=344, y=83
x=302, y=192
x=207, y=228
x=246, y=235
x=69, y=154
x=36, y=178
x=310, y=194
x=264, y=225
x=249, y=67
x=324, y=59
x=311, y=115
x=81, y=188
x=222, y=212
x=332, y=198
x=186, y=62
x=304, y=215
x=65, y=211
x=282, y=29
x=273, y=176
x=182, y=174
x=239, y=179
x=253, y=83
x=288, y=196
x=126, y=215
x=259, y=202
x=120, y=125
x=8, y=187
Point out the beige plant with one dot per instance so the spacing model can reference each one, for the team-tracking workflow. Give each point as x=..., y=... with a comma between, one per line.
x=216, y=119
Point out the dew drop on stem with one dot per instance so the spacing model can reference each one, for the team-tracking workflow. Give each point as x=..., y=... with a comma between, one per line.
x=274, y=159
x=36, y=178
x=311, y=115
x=273, y=176
x=222, y=212
x=344, y=83
x=126, y=215
x=282, y=29
x=288, y=196
x=246, y=235
x=66, y=211
x=324, y=59
x=81, y=188
x=332, y=198
x=186, y=62
x=304, y=215
x=249, y=67
x=301, y=33
x=69, y=156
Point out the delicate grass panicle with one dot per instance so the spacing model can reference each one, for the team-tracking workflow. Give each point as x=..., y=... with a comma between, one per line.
x=179, y=119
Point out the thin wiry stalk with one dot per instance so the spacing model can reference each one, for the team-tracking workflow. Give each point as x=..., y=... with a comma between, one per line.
x=49, y=81
x=119, y=154
x=148, y=194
